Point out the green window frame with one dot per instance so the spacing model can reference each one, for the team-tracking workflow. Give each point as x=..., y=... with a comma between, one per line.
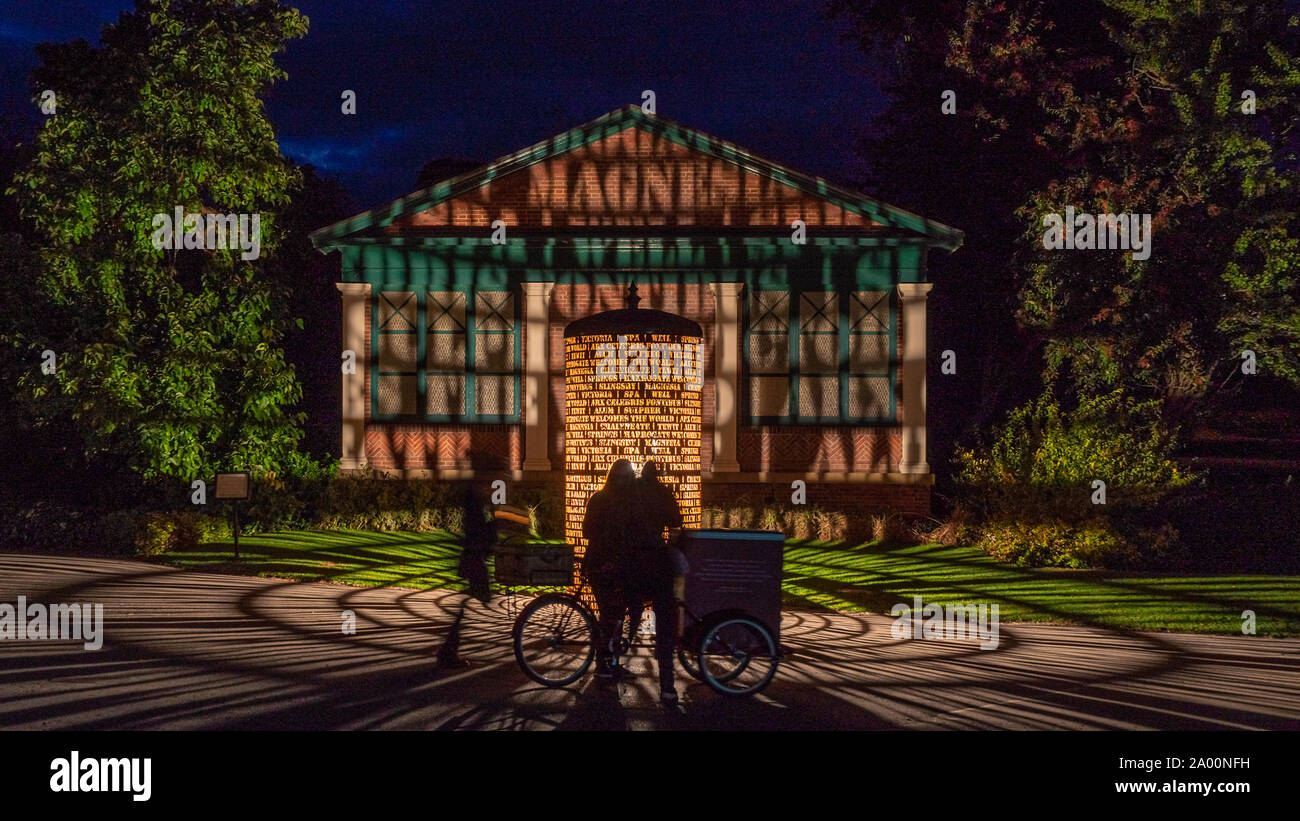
x=821, y=357
x=444, y=355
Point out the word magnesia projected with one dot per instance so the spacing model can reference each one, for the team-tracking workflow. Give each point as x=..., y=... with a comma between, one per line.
x=634, y=396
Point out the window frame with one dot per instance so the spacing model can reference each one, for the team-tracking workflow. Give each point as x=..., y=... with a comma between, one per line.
x=844, y=372
x=422, y=371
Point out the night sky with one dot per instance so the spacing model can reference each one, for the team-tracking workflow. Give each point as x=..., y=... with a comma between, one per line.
x=481, y=80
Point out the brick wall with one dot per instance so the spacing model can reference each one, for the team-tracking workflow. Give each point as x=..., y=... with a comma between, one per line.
x=774, y=448
x=443, y=446
x=911, y=500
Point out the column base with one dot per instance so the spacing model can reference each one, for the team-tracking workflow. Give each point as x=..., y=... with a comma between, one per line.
x=913, y=467
x=537, y=464
x=720, y=466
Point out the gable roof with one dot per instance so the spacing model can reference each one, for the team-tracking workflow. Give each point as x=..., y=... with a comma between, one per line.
x=862, y=211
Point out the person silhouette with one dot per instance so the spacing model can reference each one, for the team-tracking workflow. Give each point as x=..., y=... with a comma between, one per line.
x=609, y=528
x=479, y=536
x=657, y=571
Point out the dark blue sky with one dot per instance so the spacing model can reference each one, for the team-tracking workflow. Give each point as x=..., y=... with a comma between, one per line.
x=479, y=80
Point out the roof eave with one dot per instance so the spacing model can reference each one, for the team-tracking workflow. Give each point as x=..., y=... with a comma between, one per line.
x=939, y=235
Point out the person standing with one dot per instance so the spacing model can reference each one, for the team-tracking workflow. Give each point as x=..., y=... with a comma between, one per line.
x=610, y=527
x=659, y=512
x=478, y=537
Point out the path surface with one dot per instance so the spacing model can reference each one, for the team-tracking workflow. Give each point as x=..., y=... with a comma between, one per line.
x=187, y=650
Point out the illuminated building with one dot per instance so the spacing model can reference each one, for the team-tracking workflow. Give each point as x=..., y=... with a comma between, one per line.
x=456, y=299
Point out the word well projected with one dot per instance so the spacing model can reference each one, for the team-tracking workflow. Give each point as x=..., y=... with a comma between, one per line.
x=633, y=396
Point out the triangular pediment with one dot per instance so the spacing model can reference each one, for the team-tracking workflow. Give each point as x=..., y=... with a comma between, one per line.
x=629, y=169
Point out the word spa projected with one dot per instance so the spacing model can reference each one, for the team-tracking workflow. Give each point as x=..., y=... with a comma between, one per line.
x=633, y=381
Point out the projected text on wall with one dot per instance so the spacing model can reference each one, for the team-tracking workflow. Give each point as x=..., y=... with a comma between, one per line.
x=633, y=396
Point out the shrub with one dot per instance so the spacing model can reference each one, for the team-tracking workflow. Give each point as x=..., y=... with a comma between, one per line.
x=545, y=509
x=208, y=528
x=889, y=528
x=800, y=524
x=956, y=529
x=154, y=533
x=43, y=527
x=1035, y=482
x=114, y=532
x=1043, y=448
x=1094, y=543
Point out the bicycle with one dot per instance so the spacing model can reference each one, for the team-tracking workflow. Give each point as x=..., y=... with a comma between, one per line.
x=555, y=642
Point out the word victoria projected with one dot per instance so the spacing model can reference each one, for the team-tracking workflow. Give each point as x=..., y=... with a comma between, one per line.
x=620, y=404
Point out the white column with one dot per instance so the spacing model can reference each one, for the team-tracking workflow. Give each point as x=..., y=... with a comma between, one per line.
x=914, y=362
x=726, y=370
x=356, y=302
x=537, y=393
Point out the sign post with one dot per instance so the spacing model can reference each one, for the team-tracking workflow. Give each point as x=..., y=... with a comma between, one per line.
x=235, y=488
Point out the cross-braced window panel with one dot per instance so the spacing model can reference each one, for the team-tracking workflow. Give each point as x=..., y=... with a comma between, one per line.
x=494, y=311
x=396, y=380
x=819, y=312
x=871, y=366
x=869, y=312
x=445, y=355
x=446, y=311
x=838, y=367
x=769, y=311
x=397, y=311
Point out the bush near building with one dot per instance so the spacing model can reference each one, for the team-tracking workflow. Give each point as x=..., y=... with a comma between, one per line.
x=1031, y=494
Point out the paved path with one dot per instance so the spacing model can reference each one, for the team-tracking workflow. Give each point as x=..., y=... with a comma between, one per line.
x=186, y=650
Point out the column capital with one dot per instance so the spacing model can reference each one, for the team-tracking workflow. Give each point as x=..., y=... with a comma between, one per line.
x=726, y=289
x=914, y=290
x=353, y=288
x=542, y=289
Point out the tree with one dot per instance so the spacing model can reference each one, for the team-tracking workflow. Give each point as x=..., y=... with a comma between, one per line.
x=973, y=168
x=1109, y=106
x=1199, y=131
x=169, y=360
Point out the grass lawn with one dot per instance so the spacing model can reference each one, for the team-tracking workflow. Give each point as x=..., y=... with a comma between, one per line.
x=834, y=576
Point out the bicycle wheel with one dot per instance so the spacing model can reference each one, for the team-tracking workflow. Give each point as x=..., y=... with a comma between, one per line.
x=737, y=656
x=555, y=640
x=687, y=661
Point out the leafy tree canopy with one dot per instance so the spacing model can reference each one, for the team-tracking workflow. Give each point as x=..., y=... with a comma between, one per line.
x=168, y=359
x=1109, y=106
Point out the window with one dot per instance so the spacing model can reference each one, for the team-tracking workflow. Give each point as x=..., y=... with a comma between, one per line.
x=821, y=356
x=445, y=355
